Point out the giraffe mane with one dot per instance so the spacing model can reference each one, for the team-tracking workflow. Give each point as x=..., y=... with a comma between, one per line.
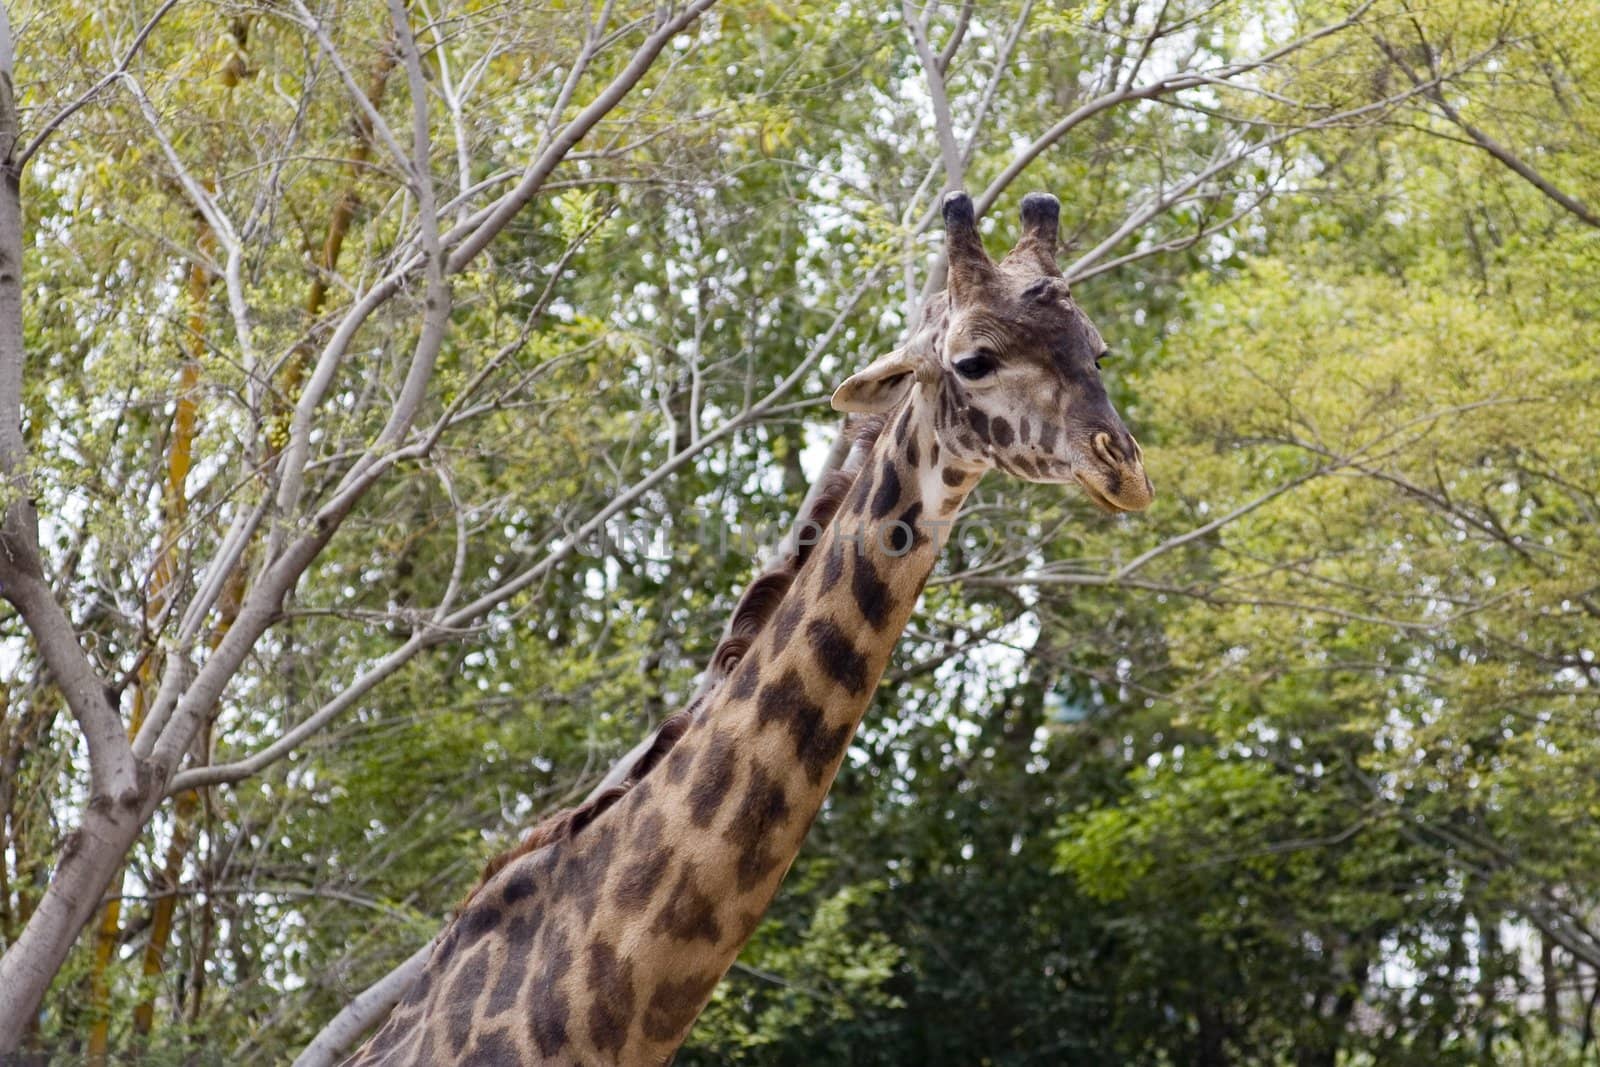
x=766, y=594
x=567, y=822
x=755, y=609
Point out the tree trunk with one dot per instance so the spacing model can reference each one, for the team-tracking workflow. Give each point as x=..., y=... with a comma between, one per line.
x=93, y=857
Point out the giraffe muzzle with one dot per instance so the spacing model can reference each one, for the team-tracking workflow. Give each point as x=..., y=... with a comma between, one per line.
x=1117, y=481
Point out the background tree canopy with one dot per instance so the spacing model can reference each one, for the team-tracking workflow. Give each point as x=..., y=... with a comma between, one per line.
x=394, y=402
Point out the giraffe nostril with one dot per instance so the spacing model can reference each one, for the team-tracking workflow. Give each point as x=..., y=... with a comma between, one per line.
x=1106, y=449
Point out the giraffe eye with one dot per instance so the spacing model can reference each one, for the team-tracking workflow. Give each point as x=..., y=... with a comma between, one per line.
x=980, y=364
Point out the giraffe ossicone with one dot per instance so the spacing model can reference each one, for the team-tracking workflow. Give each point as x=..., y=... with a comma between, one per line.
x=599, y=940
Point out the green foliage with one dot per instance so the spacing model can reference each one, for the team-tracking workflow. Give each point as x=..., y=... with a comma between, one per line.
x=824, y=974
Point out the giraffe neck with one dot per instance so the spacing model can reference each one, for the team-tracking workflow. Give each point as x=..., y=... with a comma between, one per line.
x=738, y=794
x=605, y=946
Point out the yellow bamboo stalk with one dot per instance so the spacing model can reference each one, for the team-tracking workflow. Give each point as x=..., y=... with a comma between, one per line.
x=187, y=804
x=175, y=508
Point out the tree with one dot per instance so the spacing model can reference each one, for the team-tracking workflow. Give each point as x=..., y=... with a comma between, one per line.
x=275, y=526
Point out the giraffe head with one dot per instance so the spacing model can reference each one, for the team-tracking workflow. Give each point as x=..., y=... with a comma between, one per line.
x=1007, y=367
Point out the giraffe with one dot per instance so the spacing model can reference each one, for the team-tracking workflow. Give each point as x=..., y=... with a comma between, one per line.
x=600, y=938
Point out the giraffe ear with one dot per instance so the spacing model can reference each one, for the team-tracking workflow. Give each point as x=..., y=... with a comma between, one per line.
x=879, y=387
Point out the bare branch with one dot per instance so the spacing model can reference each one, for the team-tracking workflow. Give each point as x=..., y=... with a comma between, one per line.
x=363, y=102
x=22, y=580
x=365, y=1010
x=1162, y=202
x=1187, y=80
x=533, y=178
x=223, y=773
x=221, y=226
x=1155, y=34
x=626, y=499
x=934, y=73
x=464, y=241
x=991, y=90
x=89, y=94
x=1115, y=98
x=111, y=765
x=938, y=274
x=1505, y=156
x=957, y=35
